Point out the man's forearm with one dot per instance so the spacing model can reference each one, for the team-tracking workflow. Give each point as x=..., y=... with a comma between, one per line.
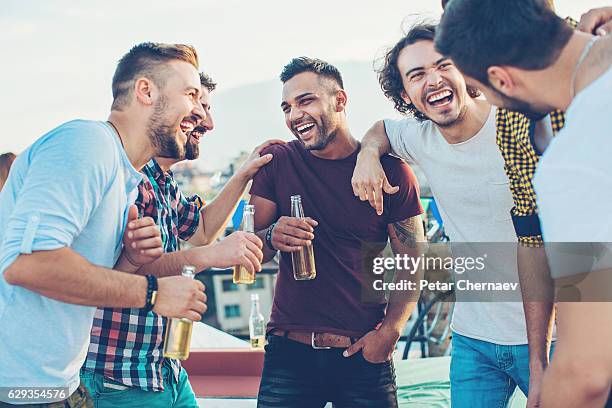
x=268, y=253
x=66, y=276
x=216, y=215
x=407, y=239
x=580, y=373
x=124, y=265
x=171, y=264
x=376, y=140
x=537, y=290
x=566, y=390
x=401, y=304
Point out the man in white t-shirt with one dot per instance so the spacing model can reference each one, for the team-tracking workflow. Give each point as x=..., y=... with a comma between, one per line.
x=452, y=138
x=557, y=68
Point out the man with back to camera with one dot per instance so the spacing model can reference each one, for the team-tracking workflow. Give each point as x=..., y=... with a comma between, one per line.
x=574, y=69
x=324, y=342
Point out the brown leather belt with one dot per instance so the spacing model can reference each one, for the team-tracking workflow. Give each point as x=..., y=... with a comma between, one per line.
x=317, y=340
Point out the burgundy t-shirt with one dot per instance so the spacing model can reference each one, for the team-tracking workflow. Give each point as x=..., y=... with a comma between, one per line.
x=332, y=302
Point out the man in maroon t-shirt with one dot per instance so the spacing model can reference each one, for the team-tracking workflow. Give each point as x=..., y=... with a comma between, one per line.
x=324, y=342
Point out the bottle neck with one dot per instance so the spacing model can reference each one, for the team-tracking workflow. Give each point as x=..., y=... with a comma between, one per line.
x=248, y=223
x=254, y=307
x=296, y=209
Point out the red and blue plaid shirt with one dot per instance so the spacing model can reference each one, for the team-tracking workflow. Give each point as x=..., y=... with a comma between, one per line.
x=126, y=344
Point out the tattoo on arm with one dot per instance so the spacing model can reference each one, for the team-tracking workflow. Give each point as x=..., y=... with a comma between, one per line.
x=409, y=231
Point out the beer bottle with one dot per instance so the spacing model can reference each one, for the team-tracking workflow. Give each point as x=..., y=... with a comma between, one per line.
x=303, y=260
x=242, y=274
x=178, y=331
x=257, y=331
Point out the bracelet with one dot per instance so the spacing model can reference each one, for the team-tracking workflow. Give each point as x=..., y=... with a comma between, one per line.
x=269, y=237
x=151, y=293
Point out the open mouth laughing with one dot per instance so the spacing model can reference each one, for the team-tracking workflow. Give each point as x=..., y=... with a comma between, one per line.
x=441, y=98
x=305, y=130
x=198, y=133
x=187, y=125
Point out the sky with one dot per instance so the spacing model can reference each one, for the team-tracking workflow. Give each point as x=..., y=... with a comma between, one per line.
x=59, y=55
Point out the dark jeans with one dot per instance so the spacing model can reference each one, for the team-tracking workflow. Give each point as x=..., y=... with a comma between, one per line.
x=78, y=399
x=297, y=376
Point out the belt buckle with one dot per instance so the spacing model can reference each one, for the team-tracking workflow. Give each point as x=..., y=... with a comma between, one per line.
x=314, y=346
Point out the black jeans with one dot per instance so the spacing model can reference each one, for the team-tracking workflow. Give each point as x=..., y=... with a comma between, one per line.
x=297, y=376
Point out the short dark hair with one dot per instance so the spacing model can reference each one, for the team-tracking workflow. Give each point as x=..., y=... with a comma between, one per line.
x=390, y=78
x=305, y=64
x=477, y=34
x=147, y=59
x=207, y=82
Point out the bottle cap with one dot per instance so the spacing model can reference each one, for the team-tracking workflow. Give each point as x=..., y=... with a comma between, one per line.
x=249, y=208
x=254, y=296
x=296, y=198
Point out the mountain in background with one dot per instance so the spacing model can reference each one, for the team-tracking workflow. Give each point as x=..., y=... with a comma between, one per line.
x=248, y=115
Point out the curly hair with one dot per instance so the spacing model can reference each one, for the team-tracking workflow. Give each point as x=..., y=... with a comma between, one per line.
x=390, y=78
x=207, y=82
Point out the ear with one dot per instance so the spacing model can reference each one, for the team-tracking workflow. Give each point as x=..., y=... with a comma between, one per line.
x=501, y=79
x=144, y=90
x=341, y=100
x=405, y=97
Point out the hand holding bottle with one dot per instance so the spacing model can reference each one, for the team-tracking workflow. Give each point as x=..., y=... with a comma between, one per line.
x=290, y=234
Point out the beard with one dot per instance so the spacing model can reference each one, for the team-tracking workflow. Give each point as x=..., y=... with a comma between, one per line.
x=517, y=105
x=324, y=136
x=163, y=135
x=454, y=121
x=323, y=139
x=192, y=150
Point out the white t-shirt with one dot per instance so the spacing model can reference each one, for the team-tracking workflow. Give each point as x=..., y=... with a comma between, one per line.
x=472, y=191
x=573, y=181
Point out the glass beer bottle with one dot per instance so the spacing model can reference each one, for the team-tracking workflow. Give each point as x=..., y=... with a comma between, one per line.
x=303, y=260
x=257, y=330
x=242, y=274
x=177, y=340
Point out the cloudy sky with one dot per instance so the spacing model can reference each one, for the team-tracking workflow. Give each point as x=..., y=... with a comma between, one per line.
x=59, y=55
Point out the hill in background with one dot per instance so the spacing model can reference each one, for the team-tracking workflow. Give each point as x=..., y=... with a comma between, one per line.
x=248, y=115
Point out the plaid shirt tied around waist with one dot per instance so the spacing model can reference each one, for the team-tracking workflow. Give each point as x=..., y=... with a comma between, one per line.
x=126, y=344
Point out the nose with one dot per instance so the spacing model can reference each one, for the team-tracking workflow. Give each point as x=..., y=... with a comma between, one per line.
x=295, y=113
x=208, y=121
x=434, y=79
x=198, y=110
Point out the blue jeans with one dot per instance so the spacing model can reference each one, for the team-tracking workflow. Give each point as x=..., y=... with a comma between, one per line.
x=107, y=393
x=485, y=375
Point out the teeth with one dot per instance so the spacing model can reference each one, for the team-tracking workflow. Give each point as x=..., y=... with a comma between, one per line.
x=301, y=128
x=438, y=96
x=187, y=126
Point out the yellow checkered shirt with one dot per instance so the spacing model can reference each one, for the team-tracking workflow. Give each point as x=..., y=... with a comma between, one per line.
x=515, y=141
